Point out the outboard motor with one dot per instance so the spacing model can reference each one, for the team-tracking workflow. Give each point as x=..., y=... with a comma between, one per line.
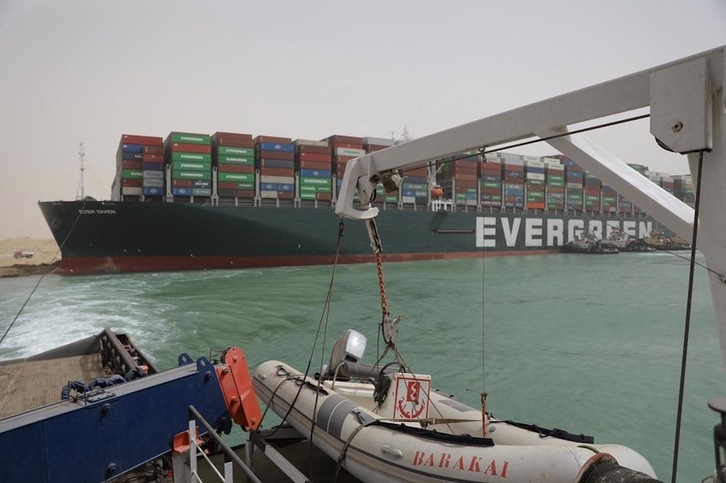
x=345, y=359
x=719, y=439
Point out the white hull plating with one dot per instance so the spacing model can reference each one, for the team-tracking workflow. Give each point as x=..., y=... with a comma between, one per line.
x=381, y=448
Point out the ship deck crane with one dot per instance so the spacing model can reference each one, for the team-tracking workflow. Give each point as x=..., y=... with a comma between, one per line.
x=686, y=104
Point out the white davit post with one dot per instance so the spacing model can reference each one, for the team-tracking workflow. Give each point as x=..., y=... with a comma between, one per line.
x=686, y=101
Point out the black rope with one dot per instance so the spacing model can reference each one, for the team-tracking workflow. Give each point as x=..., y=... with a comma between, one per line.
x=687, y=328
x=42, y=276
x=323, y=320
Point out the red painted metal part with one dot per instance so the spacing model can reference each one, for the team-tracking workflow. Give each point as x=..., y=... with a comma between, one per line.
x=236, y=382
x=85, y=265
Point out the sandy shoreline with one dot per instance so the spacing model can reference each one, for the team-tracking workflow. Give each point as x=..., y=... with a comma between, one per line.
x=46, y=256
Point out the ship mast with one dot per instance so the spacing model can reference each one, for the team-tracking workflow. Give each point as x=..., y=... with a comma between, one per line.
x=80, y=191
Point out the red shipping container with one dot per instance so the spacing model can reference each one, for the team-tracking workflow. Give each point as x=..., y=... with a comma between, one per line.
x=272, y=139
x=324, y=196
x=304, y=148
x=265, y=171
x=315, y=157
x=466, y=177
x=153, y=158
x=132, y=183
x=135, y=139
x=235, y=168
x=416, y=172
x=183, y=183
x=132, y=165
x=536, y=204
x=374, y=147
x=285, y=195
x=338, y=139
x=154, y=149
x=346, y=146
x=343, y=159
x=276, y=155
x=233, y=140
x=245, y=193
x=316, y=165
x=191, y=148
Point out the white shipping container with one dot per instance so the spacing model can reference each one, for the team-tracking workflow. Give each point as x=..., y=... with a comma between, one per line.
x=408, y=199
x=268, y=194
x=153, y=174
x=350, y=152
x=575, y=185
x=554, y=161
x=492, y=158
x=535, y=163
x=265, y=178
x=539, y=176
x=378, y=141
x=310, y=142
x=530, y=158
x=513, y=162
x=130, y=191
x=153, y=183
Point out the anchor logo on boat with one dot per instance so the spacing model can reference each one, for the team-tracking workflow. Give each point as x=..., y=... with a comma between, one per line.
x=411, y=403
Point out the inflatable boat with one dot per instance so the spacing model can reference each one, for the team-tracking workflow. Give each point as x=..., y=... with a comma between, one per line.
x=387, y=424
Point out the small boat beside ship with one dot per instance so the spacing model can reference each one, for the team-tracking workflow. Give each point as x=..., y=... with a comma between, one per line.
x=589, y=244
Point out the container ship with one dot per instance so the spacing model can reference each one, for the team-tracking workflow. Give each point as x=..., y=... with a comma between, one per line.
x=229, y=200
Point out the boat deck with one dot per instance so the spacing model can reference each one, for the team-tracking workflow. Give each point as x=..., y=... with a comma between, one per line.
x=28, y=385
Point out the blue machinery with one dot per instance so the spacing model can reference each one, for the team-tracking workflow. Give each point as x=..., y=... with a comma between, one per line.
x=108, y=432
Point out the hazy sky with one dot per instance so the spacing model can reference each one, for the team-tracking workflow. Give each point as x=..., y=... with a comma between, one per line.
x=77, y=70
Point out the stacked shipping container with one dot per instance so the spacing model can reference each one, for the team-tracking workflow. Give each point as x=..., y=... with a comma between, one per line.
x=314, y=163
x=234, y=157
x=513, y=169
x=554, y=183
x=490, y=181
x=276, y=164
x=140, y=167
x=190, y=158
x=534, y=169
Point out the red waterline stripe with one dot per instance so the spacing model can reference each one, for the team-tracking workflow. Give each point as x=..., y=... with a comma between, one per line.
x=88, y=265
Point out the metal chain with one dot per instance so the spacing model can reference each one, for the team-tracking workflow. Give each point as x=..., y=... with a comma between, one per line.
x=382, y=285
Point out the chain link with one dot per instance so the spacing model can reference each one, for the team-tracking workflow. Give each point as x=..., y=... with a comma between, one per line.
x=382, y=285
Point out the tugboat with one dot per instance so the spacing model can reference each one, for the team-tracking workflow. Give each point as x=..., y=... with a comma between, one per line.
x=590, y=244
x=622, y=242
x=660, y=241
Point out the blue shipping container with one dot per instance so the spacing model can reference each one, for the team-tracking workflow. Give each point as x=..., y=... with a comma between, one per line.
x=132, y=148
x=132, y=156
x=315, y=173
x=153, y=167
x=181, y=191
x=279, y=147
x=153, y=191
x=202, y=191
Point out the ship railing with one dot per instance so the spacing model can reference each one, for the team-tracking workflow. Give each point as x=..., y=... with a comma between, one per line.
x=231, y=459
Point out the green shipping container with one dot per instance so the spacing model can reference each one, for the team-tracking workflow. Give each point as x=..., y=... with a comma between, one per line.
x=316, y=181
x=240, y=177
x=184, y=138
x=190, y=166
x=243, y=152
x=203, y=175
x=535, y=195
x=491, y=184
x=307, y=195
x=132, y=174
x=390, y=199
x=574, y=197
x=204, y=158
x=308, y=187
x=323, y=189
x=240, y=160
